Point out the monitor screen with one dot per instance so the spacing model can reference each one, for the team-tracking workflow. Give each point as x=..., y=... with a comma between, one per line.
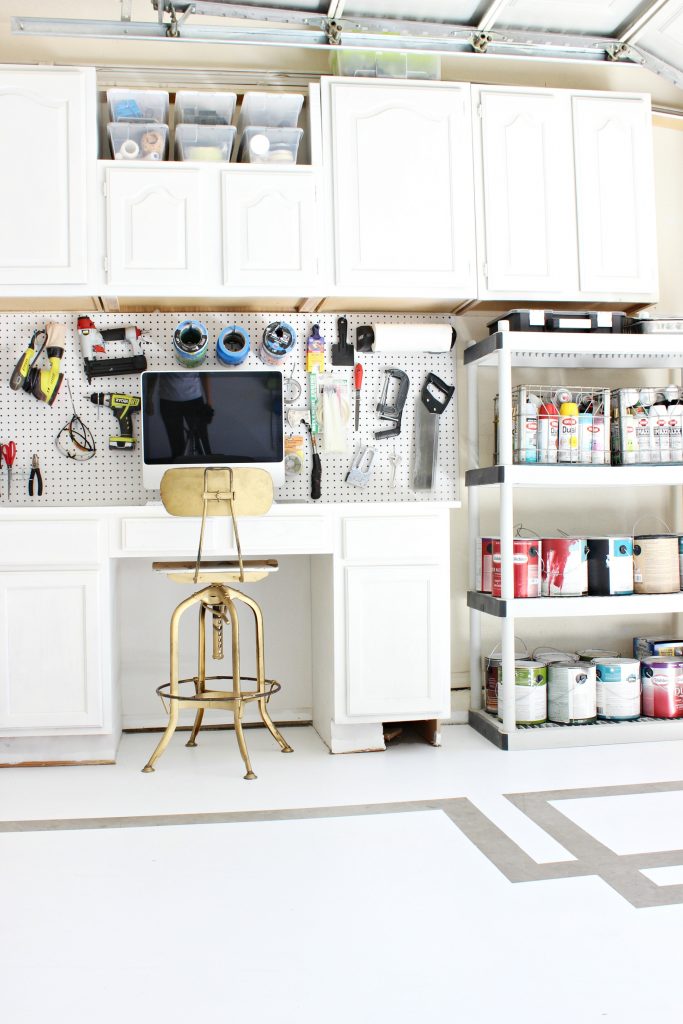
x=211, y=418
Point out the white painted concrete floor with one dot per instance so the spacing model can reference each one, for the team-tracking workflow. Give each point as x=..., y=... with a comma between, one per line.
x=368, y=917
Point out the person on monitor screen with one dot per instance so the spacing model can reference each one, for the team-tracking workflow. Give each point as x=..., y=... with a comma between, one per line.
x=186, y=411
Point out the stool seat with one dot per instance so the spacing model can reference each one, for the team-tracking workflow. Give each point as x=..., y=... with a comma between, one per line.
x=217, y=570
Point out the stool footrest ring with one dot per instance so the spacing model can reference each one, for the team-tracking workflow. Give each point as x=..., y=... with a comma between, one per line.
x=271, y=686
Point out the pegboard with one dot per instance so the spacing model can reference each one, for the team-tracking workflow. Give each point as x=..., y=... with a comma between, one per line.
x=115, y=477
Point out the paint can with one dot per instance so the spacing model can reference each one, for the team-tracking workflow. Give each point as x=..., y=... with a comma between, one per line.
x=662, y=681
x=190, y=342
x=656, y=564
x=527, y=567
x=531, y=693
x=610, y=565
x=232, y=346
x=484, y=570
x=277, y=342
x=572, y=698
x=492, y=675
x=618, y=688
x=565, y=566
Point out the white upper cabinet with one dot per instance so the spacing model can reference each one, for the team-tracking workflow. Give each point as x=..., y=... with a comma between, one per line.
x=269, y=229
x=526, y=210
x=399, y=156
x=154, y=227
x=615, y=194
x=48, y=148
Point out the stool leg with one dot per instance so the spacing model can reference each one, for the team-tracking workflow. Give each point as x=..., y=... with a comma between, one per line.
x=201, y=675
x=173, y=712
x=261, y=673
x=237, y=684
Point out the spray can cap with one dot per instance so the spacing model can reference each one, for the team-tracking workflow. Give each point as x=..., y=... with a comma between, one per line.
x=547, y=409
x=569, y=409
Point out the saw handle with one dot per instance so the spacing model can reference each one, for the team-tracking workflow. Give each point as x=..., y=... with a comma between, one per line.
x=430, y=401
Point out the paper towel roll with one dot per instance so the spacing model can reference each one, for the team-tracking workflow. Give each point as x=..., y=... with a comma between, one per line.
x=412, y=337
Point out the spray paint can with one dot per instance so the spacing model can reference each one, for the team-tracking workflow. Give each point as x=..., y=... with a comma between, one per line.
x=662, y=682
x=642, y=437
x=190, y=342
x=618, y=689
x=565, y=566
x=585, y=438
x=657, y=423
x=548, y=428
x=628, y=439
x=599, y=441
x=277, y=342
x=610, y=565
x=656, y=565
x=568, y=438
x=527, y=568
x=484, y=570
x=572, y=698
x=527, y=433
x=675, y=420
x=531, y=693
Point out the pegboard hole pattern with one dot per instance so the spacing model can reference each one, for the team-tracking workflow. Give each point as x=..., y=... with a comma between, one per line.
x=115, y=477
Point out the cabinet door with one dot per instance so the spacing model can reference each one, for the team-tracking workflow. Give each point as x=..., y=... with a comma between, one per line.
x=269, y=229
x=527, y=202
x=47, y=142
x=50, y=677
x=398, y=648
x=615, y=194
x=402, y=187
x=154, y=226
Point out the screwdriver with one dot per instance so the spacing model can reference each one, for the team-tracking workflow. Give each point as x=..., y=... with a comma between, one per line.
x=357, y=383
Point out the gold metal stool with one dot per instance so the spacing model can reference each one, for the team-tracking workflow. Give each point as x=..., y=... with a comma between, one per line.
x=217, y=492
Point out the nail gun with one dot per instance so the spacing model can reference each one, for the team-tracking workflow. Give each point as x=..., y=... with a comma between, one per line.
x=42, y=384
x=94, y=340
x=123, y=407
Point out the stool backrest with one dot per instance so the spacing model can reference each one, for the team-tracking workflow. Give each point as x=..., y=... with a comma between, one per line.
x=217, y=491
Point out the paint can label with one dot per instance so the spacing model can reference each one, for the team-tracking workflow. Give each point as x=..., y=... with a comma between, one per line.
x=526, y=560
x=531, y=693
x=564, y=566
x=662, y=681
x=484, y=565
x=618, y=689
x=572, y=695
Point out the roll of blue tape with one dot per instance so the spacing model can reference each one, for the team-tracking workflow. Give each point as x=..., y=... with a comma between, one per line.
x=232, y=347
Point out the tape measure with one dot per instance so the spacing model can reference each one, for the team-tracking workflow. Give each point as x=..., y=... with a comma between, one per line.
x=232, y=347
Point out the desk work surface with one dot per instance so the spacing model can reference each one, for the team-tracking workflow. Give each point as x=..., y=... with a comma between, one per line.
x=114, y=478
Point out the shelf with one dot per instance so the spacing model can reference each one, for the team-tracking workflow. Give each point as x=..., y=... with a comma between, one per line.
x=549, y=735
x=534, y=475
x=537, y=348
x=575, y=607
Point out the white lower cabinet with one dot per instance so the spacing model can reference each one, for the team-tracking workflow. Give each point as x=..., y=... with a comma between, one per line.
x=50, y=670
x=154, y=227
x=397, y=641
x=269, y=229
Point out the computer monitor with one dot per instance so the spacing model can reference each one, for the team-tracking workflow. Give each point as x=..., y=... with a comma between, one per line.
x=211, y=418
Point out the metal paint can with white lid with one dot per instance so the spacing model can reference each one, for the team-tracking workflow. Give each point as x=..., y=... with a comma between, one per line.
x=662, y=682
x=564, y=566
x=484, y=571
x=656, y=566
x=618, y=688
x=492, y=674
x=610, y=565
x=531, y=693
x=572, y=698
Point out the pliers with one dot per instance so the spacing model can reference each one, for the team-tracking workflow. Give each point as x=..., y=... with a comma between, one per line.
x=35, y=477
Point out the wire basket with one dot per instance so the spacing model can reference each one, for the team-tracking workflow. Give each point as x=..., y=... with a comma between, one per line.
x=647, y=425
x=559, y=424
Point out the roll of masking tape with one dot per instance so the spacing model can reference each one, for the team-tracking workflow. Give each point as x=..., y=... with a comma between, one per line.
x=152, y=142
x=129, y=150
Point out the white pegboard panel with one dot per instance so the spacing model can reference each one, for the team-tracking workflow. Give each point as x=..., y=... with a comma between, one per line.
x=115, y=477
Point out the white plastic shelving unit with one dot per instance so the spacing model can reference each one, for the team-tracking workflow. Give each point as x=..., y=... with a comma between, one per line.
x=503, y=351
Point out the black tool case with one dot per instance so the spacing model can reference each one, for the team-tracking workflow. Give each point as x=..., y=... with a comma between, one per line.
x=584, y=322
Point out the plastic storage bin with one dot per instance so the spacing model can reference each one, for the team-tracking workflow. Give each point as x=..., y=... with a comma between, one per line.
x=204, y=142
x=138, y=141
x=385, y=64
x=205, y=108
x=140, y=106
x=270, y=110
x=270, y=145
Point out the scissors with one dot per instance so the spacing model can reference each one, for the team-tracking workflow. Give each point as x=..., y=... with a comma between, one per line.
x=9, y=454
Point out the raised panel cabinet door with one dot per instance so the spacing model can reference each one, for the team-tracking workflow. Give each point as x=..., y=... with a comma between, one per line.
x=402, y=187
x=48, y=139
x=615, y=194
x=527, y=202
x=154, y=226
x=269, y=229
x=50, y=675
x=397, y=640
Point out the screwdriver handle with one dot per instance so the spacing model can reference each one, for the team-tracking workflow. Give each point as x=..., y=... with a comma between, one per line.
x=358, y=376
x=316, y=476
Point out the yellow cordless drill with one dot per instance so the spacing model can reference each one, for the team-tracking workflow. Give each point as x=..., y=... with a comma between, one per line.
x=42, y=384
x=123, y=407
